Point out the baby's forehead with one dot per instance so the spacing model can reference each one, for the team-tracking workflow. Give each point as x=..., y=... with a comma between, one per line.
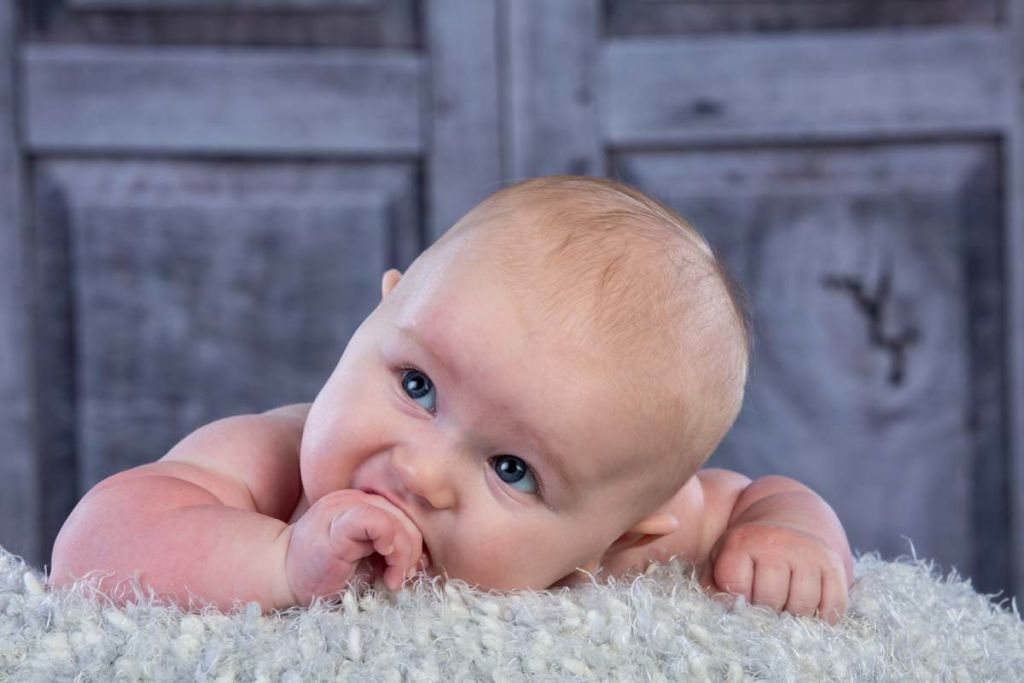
x=572, y=400
x=630, y=287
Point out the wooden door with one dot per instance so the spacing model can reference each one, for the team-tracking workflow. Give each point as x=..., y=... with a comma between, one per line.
x=213, y=192
x=200, y=198
x=858, y=166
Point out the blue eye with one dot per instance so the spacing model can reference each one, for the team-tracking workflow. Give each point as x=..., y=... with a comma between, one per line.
x=417, y=385
x=514, y=472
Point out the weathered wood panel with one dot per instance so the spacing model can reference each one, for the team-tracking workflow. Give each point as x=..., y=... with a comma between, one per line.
x=552, y=63
x=681, y=17
x=237, y=5
x=19, y=493
x=859, y=263
x=464, y=158
x=950, y=82
x=385, y=24
x=190, y=312
x=510, y=88
x=981, y=220
x=54, y=371
x=189, y=100
x=302, y=194
x=1014, y=196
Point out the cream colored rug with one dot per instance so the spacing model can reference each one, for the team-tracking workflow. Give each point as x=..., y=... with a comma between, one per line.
x=905, y=623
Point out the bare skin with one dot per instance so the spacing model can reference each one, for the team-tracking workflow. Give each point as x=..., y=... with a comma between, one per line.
x=446, y=441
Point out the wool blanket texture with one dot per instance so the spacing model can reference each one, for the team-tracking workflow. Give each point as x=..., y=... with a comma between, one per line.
x=905, y=622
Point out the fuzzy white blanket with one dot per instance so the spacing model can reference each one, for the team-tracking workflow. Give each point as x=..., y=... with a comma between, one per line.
x=905, y=623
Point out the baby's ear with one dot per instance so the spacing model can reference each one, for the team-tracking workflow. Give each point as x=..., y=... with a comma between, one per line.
x=388, y=282
x=658, y=524
x=645, y=531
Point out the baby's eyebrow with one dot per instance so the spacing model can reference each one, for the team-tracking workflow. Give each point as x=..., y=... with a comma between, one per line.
x=414, y=336
x=557, y=464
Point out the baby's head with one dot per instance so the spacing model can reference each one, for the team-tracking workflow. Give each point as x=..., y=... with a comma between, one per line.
x=539, y=383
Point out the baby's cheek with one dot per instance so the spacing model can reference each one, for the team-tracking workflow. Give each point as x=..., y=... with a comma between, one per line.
x=320, y=475
x=511, y=565
x=321, y=464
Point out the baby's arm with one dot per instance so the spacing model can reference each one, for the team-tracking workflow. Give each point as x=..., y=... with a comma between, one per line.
x=776, y=542
x=210, y=517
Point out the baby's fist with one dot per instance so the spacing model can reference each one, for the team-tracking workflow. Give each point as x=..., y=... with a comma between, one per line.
x=780, y=567
x=341, y=530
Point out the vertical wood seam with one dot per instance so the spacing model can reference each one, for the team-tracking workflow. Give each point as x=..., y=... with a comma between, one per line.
x=1014, y=264
x=22, y=410
x=463, y=108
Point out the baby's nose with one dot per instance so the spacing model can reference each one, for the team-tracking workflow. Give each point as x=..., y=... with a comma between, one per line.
x=425, y=475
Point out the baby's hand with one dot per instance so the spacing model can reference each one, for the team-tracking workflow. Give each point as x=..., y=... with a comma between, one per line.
x=783, y=568
x=341, y=529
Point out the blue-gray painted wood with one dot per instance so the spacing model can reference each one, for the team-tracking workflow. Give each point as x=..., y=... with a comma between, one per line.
x=875, y=409
x=53, y=344
x=551, y=100
x=238, y=5
x=19, y=489
x=75, y=395
x=388, y=24
x=681, y=17
x=1015, y=285
x=947, y=82
x=459, y=96
x=201, y=101
x=464, y=155
x=982, y=223
x=190, y=311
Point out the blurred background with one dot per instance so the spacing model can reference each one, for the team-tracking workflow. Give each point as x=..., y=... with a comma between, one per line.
x=199, y=197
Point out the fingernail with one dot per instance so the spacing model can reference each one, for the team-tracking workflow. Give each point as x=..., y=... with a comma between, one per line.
x=387, y=551
x=411, y=573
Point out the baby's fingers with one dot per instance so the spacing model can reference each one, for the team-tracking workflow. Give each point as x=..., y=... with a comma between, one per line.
x=771, y=583
x=833, y=595
x=402, y=562
x=804, y=592
x=362, y=530
x=731, y=572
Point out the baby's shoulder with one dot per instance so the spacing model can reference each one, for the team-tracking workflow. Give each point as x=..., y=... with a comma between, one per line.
x=259, y=452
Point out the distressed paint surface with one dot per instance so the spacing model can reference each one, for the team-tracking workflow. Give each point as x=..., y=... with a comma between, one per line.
x=313, y=103
x=267, y=23
x=190, y=312
x=709, y=89
x=464, y=115
x=1015, y=280
x=792, y=149
x=159, y=277
x=19, y=491
x=687, y=17
x=552, y=67
x=855, y=260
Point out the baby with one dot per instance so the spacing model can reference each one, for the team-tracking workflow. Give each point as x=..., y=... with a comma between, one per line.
x=528, y=406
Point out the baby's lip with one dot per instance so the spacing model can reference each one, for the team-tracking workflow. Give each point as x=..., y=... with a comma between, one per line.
x=393, y=499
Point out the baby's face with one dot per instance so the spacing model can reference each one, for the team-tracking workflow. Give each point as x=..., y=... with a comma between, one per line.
x=511, y=452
